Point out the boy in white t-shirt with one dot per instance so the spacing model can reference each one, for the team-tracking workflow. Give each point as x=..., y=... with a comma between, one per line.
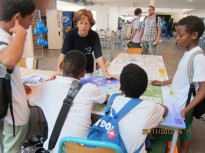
x=189, y=30
x=144, y=116
x=51, y=95
x=134, y=41
x=16, y=17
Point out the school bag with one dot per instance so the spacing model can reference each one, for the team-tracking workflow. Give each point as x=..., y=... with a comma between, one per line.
x=199, y=110
x=6, y=95
x=106, y=128
x=35, y=143
x=127, y=29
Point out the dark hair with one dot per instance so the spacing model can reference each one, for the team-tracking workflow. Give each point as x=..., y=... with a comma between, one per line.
x=193, y=24
x=74, y=63
x=152, y=7
x=137, y=11
x=133, y=81
x=10, y=7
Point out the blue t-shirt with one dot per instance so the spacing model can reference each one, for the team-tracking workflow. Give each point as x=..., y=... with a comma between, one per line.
x=88, y=44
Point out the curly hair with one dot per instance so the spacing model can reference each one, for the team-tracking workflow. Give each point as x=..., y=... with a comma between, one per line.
x=74, y=63
x=83, y=12
x=10, y=7
x=133, y=81
x=193, y=24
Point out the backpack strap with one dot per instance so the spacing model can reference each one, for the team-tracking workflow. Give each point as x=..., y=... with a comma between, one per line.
x=110, y=101
x=8, y=85
x=128, y=107
x=139, y=149
x=191, y=65
x=190, y=72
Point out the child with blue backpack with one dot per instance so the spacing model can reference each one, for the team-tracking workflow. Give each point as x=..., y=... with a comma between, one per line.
x=126, y=116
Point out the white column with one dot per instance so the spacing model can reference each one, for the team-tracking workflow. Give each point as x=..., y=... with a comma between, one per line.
x=53, y=4
x=28, y=48
x=152, y=2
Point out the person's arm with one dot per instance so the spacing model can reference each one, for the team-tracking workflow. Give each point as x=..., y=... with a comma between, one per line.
x=132, y=35
x=101, y=63
x=165, y=110
x=159, y=31
x=141, y=33
x=161, y=83
x=67, y=46
x=197, y=99
x=27, y=88
x=60, y=60
x=11, y=55
x=98, y=55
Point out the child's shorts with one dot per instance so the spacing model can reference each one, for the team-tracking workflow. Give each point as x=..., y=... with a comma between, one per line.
x=166, y=134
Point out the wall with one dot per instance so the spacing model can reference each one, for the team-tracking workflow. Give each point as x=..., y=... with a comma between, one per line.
x=200, y=13
x=42, y=5
x=101, y=16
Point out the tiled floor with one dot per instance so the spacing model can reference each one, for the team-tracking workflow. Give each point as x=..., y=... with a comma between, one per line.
x=171, y=55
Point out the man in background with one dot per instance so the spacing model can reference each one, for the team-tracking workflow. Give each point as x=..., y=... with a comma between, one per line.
x=150, y=33
x=134, y=41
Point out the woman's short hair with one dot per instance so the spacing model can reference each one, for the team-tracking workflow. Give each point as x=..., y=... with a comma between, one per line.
x=83, y=12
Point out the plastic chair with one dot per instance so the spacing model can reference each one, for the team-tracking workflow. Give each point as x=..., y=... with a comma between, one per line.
x=77, y=145
x=169, y=146
x=134, y=50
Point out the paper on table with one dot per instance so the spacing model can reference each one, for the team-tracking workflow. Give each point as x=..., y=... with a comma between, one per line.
x=34, y=79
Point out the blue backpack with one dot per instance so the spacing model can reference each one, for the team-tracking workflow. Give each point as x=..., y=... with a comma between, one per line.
x=106, y=128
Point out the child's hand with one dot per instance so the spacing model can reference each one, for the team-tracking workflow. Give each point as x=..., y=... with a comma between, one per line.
x=156, y=83
x=184, y=113
x=128, y=41
x=17, y=28
x=53, y=77
x=165, y=110
x=108, y=76
x=27, y=89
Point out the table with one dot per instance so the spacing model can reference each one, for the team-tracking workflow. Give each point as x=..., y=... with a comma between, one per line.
x=173, y=120
x=155, y=69
x=152, y=64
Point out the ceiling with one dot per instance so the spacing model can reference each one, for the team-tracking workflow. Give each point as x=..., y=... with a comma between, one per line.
x=186, y=4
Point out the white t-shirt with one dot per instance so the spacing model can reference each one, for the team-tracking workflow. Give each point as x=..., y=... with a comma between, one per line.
x=20, y=105
x=146, y=115
x=136, y=25
x=180, y=83
x=50, y=98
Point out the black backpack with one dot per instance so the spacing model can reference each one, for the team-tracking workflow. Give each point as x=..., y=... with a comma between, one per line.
x=5, y=94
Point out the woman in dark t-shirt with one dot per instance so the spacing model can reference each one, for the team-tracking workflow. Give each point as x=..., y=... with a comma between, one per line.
x=84, y=39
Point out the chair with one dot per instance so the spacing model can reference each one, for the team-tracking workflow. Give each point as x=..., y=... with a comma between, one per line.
x=76, y=145
x=134, y=50
x=30, y=63
x=169, y=143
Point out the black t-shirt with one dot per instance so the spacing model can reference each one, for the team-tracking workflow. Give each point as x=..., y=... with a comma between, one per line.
x=88, y=44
